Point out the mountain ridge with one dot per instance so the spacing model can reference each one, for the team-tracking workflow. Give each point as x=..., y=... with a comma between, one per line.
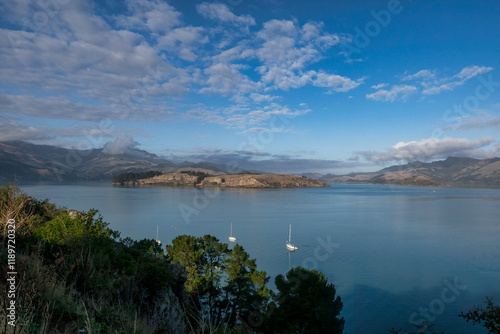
x=22, y=161
x=453, y=171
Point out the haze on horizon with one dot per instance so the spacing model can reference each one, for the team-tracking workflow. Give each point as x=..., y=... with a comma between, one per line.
x=323, y=86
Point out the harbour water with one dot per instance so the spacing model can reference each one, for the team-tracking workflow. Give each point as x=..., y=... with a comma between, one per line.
x=395, y=254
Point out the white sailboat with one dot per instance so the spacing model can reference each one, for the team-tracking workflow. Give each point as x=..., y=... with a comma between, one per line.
x=289, y=244
x=231, y=238
x=157, y=240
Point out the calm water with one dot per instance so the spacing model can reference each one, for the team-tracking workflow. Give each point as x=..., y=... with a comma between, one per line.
x=393, y=253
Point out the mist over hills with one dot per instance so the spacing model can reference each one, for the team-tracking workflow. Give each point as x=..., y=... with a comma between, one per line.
x=22, y=162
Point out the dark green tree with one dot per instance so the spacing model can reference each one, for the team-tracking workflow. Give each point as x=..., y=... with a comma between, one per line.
x=304, y=303
x=204, y=259
x=489, y=317
x=246, y=291
x=224, y=284
x=187, y=251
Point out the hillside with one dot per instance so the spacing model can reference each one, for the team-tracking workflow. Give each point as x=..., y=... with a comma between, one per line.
x=228, y=181
x=453, y=171
x=23, y=161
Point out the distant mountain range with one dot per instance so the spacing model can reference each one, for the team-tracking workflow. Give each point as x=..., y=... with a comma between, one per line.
x=450, y=172
x=21, y=161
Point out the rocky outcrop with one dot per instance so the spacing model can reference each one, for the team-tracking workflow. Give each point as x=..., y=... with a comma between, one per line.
x=261, y=181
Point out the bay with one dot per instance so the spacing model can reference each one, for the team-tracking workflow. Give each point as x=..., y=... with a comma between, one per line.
x=395, y=254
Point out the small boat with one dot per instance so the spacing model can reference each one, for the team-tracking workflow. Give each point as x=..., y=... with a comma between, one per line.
x=157, y=240
x=231, y=238
x=289, y=245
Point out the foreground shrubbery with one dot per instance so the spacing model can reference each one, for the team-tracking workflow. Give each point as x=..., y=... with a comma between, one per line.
x=75, y=273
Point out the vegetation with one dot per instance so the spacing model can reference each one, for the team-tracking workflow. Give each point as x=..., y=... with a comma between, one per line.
x=75, y=274
x=130, y=176
x=305, y=303
x=489, y=317
x=201, y=176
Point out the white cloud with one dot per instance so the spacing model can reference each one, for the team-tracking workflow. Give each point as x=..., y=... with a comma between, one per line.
x=335, y=82
x=398, y=91
x=437, y=85
x=252, y=117
x=434, y=148
x=423, y=75
x=220, y=12
x=434, y=90
x=472, y=71
x=121, y=145
x=184, y=40
x=263, y=97
x=380, y=85
x=288, y=49
x=153, y=15
x=476, y=121
x=227, y=79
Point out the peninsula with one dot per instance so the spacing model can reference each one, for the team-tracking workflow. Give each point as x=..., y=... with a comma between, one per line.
x=198, y=179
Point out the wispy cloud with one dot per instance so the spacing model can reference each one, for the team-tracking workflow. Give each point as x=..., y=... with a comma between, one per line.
x=420, y=75
x=380, y=85
x=396, y=92
x=434, y=85
x=220, y=12
x=476, y=121
x=426, y=82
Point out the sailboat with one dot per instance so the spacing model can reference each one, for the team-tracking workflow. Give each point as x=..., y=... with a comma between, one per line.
x=289, y=244
x=157, y=240
x=231, y=238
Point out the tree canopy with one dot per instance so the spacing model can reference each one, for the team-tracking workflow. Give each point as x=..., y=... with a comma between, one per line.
x=305, y=303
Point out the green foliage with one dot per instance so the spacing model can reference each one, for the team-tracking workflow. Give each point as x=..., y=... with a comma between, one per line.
x=421, y=328
x=73, y=273
x=224, y=284
x=130, y=176
x=246, y=290
x=65, y=230
x=489, y=317
x=305, y=303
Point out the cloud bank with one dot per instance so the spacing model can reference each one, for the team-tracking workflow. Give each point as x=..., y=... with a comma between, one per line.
x=433, y=149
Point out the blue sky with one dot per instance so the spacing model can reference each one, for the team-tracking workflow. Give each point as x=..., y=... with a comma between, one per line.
x=281, y=86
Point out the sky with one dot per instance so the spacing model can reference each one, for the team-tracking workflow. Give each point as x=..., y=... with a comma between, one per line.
x=274, y=85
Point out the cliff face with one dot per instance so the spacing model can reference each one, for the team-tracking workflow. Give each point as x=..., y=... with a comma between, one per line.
x=230, y=181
